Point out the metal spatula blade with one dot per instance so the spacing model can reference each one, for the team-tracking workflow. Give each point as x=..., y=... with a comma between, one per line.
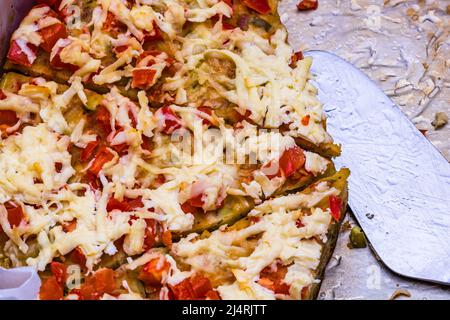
x=400, y=183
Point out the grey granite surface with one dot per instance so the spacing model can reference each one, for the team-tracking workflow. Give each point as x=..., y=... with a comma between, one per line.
x=404, y=47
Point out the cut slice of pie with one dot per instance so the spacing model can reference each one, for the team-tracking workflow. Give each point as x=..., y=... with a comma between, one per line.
x=108, y=170
x=278, y=252
x=234, y=60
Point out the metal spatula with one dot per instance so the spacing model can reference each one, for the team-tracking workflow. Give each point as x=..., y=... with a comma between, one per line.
x=400, y=183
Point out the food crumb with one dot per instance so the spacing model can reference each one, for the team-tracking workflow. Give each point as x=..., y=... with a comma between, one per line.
x=357, y=239
x=305, y=5
x=400, y=292
x=440, y=120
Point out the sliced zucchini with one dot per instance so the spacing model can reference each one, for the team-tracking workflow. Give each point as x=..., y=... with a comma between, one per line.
x=327, y=149
x=304, y=181
x=94, y=100
x=234, y=209
x=12, y=81
x=339, y=181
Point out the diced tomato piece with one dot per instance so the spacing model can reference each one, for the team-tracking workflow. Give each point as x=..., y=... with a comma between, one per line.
x=113, y=25
x=153, y=272
x=17, y=56
x=254, y=219
x=183, y=290
x=59, y=270
x=147, y=143
x=209, y=112
x=188, y=208
x=200, y=285
x=166, y=238
x=120, y=49
x=305, y=292
x=124, y=205
x=121, y=149
x=194, y=205
x=93, y=180
x=305, y=120
x=335, y=207
x=135, y=203
x=87, y=292
x=88, y=152
x=299, y=223
x=212, y=295
x=8, y=118
x=160, y=179
x=171, y=121
x=227, y=26
x=292, y=160
x=104, y=281
x=305, y=5
x=133, y=118
x=226, y=23
x=245, y=116
x=297, y=56
x=51, y=35
x=77, y=256
x=150, y=233
x=95, y=286
x=143, y=78
x=114, y=204
x=104, y=119
x=103, y=156
x=196, y=287
x=57, y=63
x=15, y=215
x=146, y=53
x=260, y=6
x=156, y=35
x=51, y=289
x=274, y=279
x=58, y=167
x=54, y=4
x=70, y=226
x=197, y=201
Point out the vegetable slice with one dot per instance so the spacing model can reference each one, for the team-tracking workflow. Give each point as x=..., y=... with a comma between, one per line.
x=51, y=34
x=15, y=215
x=260, y=6
x=17, y=56
x=51, y=289
x=305, y=5
x=143, y=78
x=154, y=271
x=335, y=207
x=103, y=156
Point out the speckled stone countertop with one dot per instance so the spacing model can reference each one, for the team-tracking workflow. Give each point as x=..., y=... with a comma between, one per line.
x=402, y=45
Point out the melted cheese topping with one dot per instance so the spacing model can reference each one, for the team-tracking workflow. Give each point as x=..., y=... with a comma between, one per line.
x=36, y=20
x=236, y=69
x=29, y=157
